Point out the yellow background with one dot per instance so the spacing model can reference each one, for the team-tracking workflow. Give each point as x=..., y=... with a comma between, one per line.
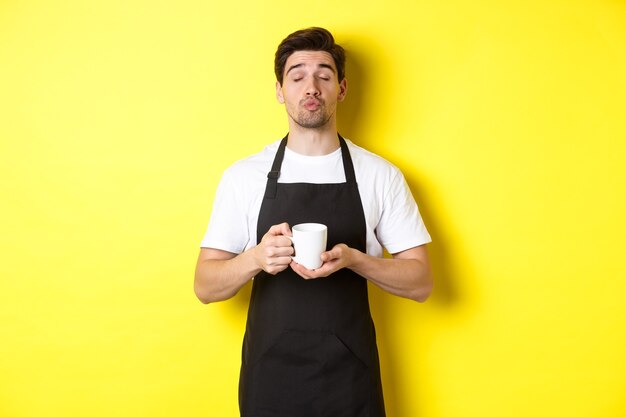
x=118, y=117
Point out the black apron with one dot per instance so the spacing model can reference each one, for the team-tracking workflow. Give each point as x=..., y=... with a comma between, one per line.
x=310, y=345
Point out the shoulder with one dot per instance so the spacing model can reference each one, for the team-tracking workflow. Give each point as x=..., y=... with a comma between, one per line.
x=368, y=165
x=252, y=168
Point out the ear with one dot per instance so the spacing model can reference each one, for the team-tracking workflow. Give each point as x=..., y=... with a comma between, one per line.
x=279, y=93
x=343, y=89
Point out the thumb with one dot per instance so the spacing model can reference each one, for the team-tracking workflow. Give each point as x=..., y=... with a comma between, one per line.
x=331, y=254
x=279, y=230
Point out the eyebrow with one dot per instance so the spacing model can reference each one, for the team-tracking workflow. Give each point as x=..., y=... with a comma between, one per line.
x=330, y=67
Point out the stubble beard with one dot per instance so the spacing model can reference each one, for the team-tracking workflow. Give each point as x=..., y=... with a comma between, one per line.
x=312, y=119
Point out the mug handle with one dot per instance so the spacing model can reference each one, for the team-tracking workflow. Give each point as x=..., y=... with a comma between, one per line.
x=293, y=243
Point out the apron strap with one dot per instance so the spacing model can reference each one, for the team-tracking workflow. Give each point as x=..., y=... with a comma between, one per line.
x=348, y=167
x=274, y=174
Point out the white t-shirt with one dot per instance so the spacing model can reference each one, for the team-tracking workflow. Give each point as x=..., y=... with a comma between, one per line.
x=391, y=214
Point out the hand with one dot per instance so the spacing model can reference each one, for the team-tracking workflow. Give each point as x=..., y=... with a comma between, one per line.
x=273, y=253
x=341, y=256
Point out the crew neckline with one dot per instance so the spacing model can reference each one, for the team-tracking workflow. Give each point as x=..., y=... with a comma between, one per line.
x=308, y=158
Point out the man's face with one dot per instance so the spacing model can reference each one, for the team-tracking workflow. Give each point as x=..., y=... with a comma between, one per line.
x=310, y=89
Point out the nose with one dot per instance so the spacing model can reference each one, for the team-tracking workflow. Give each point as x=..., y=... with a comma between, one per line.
x=312, y=88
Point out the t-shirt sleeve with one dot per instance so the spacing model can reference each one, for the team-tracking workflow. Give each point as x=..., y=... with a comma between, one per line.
x=401, y=226
x=228, y=227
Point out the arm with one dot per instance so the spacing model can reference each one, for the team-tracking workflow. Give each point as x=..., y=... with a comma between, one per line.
x=220, y=274
x=407, y=275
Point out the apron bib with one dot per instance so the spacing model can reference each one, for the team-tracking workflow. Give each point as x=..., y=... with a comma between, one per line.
x=310, y=345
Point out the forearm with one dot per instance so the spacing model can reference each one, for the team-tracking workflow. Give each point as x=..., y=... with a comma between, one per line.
x=408, y=278
x=220, y=274
x=220, y=279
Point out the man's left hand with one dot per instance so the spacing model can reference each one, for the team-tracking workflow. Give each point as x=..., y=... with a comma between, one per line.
x=341, y=256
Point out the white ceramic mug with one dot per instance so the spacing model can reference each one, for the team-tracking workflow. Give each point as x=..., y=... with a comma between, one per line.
x=309, y=241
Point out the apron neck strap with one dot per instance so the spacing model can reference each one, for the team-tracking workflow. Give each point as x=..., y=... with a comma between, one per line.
x=274, y=174
x=348, y=167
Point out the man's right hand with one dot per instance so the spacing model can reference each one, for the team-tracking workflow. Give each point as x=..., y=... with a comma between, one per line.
x=220, y=274
x=273, y=253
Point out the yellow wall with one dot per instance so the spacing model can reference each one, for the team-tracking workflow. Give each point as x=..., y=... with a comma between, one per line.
x=117, y=118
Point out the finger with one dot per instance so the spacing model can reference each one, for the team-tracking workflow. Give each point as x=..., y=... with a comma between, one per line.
x=279, y=260
x=275, y=269
x=334, y=253
x=338, y=251
x=321, y=272
x=283, y=241
x=275, y=251
x=279, y=229
x=300, y=270
x=277, y=241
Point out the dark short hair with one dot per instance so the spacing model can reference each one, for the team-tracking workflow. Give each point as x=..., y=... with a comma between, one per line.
x=310, y=39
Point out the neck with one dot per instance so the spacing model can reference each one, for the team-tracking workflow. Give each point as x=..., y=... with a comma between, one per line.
x=313, y=142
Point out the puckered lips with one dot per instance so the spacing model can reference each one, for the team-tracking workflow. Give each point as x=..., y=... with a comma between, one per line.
x=311, y=104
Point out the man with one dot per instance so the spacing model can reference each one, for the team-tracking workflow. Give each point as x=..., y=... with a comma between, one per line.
x=310, y=346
